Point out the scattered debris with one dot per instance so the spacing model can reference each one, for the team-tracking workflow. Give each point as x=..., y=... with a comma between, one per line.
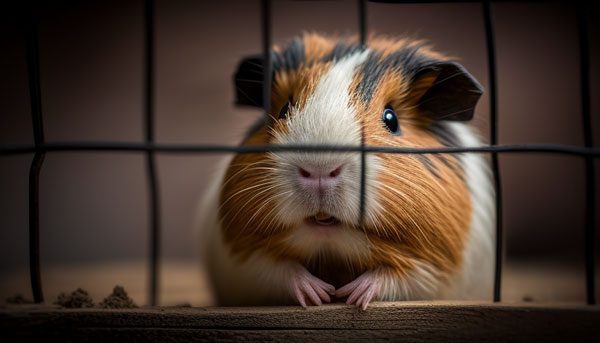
x=79, y=298
x=18, y=299
x=183, y=305
x=118, y=299
x=527, y=298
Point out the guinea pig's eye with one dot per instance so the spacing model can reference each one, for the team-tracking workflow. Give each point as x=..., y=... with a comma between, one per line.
x=284, y=111
x=390, y=119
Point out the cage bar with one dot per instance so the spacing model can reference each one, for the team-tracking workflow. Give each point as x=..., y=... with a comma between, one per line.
x=125, y=147
x=35, y=97
x=150, y=158
x=590, y=191
x=362, y=27
x=40, y=147
x=266, y=45
x=362, y=21
x=490, y=39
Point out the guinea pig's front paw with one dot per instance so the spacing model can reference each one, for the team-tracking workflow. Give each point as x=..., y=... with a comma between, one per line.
x=362, y=290
x=306, y=287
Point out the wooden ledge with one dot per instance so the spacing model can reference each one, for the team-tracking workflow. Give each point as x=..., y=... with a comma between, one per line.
x=412, y=321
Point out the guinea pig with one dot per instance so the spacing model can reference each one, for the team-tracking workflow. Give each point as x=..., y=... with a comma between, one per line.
x=285, y=227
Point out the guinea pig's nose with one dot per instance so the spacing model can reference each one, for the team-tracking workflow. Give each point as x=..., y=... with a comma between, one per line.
x=321, y=178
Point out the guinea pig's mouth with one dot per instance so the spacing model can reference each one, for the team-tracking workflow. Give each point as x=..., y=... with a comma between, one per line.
x=322, y=219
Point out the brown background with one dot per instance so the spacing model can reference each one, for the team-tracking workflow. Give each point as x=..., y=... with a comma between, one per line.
x=94, y=205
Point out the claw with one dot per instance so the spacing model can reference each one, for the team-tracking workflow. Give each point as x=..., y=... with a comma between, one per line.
x=362, y=290
x=304, y=286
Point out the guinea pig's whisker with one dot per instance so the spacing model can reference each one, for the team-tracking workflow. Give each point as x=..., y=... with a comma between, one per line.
x=250, y=81
x=255, y=72
x=257, y=65
x=269, y=226
x=263, y=181
x=446, y=78
x=248, y=97
x=271, y=213
x=239, y=210
x=266, y=168
x=271, y=185
x=239, y=172
x=455, y=113
x=243, y=190
x=281, y=161
x=246, y=164
x=256, y=212
x=248, y=201
x=268, y=183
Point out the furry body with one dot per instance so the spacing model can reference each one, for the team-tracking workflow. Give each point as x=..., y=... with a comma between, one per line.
x=427, y=229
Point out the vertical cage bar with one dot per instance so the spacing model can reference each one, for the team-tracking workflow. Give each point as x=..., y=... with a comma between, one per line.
x=33, y=70
x=362, y=26
x=150, y=158
x=362, y=21
x=491, y=54
x=266, y=45
x=590, y=194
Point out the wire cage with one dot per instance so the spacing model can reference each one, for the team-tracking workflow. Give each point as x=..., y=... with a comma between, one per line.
x=150, y=148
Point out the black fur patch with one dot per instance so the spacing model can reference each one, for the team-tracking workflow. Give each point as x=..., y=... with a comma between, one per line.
x=444, y=135
x=291, y=58
x=406, y=60
x=448, y=139
x=342, y=50
x=429, y=165
x=452, y=166
x=453, y=95
x=248, y=82
x=372, y=71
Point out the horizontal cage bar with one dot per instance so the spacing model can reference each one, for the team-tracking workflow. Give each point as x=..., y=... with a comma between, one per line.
x=215, y=148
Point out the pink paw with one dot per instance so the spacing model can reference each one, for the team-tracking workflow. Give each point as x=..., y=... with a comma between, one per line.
x=361, y=291
x=306, y=287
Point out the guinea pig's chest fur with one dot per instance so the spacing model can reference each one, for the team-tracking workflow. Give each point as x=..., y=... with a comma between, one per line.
x=304, y=207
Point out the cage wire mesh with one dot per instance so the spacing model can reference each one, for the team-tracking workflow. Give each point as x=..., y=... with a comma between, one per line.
x=150, y=148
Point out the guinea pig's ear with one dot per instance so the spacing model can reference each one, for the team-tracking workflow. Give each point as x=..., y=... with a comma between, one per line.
x=248, y=81
x=446, y=91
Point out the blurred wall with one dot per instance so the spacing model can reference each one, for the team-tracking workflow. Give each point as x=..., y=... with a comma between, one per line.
x=94, y=205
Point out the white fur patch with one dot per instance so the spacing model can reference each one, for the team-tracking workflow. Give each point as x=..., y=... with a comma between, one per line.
x=422, y=283
x=258, y=281
x=475, y=281
x=328, y=118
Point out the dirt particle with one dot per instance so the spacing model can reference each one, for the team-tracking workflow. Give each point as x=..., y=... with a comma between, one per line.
x=527, y=298
x=79, y=298
x=18, y=299
x=118, y=299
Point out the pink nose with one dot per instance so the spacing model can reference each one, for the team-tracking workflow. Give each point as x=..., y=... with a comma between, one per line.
x=321, y=179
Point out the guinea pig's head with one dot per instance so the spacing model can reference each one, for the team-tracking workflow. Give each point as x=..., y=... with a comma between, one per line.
x=392, y=93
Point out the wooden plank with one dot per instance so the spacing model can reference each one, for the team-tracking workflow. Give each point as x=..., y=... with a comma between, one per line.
x=413, y=321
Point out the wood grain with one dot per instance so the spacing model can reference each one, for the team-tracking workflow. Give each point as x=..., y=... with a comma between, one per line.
x=406, y=321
